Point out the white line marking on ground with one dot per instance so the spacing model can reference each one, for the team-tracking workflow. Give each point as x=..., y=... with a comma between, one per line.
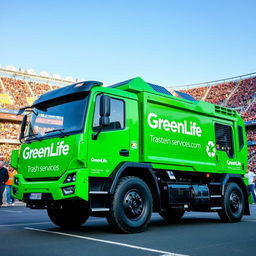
x=24, y=224
x=11, y=211
x=107, y=242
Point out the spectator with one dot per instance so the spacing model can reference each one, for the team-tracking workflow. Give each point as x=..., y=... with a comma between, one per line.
x=251, y=186
x=8, y=186
x=3, y=178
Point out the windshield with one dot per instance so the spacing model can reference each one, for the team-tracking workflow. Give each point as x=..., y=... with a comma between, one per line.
x=62, y=117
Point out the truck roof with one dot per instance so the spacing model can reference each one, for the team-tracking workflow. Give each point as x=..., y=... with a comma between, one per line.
x=137, y=84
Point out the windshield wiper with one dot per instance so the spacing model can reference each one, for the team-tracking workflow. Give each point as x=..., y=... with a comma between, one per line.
x=58, y=130
x=32, y=136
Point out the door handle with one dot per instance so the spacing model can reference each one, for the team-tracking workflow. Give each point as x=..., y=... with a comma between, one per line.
x=124, y=152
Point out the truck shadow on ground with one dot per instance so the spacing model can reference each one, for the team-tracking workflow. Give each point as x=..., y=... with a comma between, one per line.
x=99, y=226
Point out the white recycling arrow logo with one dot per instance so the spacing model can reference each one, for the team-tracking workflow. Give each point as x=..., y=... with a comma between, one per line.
x=210, y=149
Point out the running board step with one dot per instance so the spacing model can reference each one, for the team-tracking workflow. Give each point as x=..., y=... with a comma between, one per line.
x=98, y=192
x=100, y=209
x=215, y=196
x=216, y=208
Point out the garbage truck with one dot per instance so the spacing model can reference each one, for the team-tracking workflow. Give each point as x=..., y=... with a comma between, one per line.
x=127, y=150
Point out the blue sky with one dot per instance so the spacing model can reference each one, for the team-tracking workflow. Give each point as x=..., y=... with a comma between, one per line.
x=168, y=42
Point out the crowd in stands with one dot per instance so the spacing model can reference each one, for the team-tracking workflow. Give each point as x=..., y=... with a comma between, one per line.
x=250, y=114
x=220, y=92
x=251, y=151
x=251, y=134
x=6, y=150
x=18, y=90
x=55, y=87
x=39, y=88
x=197, y=93
x=235, y=94
x=9, y=130
x=245, y=92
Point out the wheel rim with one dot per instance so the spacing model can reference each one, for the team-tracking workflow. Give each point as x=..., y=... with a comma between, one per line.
x=235, y=202
x=133, y=204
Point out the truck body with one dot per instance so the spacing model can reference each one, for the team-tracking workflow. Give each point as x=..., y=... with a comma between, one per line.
x=129, y=149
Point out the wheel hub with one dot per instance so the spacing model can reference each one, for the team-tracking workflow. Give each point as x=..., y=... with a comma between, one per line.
x=234, y=201
x=133, y=204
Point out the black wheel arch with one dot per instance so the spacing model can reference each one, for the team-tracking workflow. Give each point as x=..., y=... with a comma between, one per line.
x=238, y=179
x=143, y=171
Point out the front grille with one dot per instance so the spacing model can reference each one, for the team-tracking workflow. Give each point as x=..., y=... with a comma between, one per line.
x=42, y=179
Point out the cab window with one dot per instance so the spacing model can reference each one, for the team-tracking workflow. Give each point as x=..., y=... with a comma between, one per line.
x=117, y=108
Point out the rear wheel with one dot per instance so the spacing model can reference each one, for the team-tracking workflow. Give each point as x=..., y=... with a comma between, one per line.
x=233, y=203
x=131, y=206
x=172, y=215
x=69, y=214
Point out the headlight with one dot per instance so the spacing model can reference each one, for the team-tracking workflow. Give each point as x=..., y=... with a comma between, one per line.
x=70, y=178
x=16, y=181
x=68, y=190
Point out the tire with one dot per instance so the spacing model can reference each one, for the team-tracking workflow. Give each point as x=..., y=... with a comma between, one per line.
x=131, y=206
x=233, y=204
x=69, y=214
x=172, y=215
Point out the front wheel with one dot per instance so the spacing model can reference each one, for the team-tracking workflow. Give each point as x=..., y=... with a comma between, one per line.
x=233, y=203
x=131, y=206
x=69, y=214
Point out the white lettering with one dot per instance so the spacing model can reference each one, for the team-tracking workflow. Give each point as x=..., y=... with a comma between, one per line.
x=185, y=127
x=50, y=151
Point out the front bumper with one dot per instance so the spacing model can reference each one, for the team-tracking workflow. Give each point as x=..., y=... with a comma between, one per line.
x=23, y=188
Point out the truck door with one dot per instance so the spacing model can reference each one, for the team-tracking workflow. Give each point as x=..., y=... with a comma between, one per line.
x=226, y=156
x=113, y=145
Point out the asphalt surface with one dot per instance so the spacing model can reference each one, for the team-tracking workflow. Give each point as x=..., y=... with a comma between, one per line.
x=30, y=232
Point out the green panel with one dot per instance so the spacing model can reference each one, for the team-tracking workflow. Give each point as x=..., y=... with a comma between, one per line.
x=55, y=187
x=177, y=137
x=50, y=157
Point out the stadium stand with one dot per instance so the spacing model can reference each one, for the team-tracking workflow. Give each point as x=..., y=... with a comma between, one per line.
x=197, y=93
x=38, y=88
x=219, y=93
x=18, y=90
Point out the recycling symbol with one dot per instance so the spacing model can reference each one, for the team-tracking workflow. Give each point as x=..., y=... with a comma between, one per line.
x=210, y=149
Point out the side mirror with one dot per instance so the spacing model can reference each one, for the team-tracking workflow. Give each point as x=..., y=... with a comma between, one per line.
x=104, y=114
x=104, y=110
x=23, y=126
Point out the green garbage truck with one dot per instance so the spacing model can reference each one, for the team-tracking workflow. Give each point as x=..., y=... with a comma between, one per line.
x=127, y=150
